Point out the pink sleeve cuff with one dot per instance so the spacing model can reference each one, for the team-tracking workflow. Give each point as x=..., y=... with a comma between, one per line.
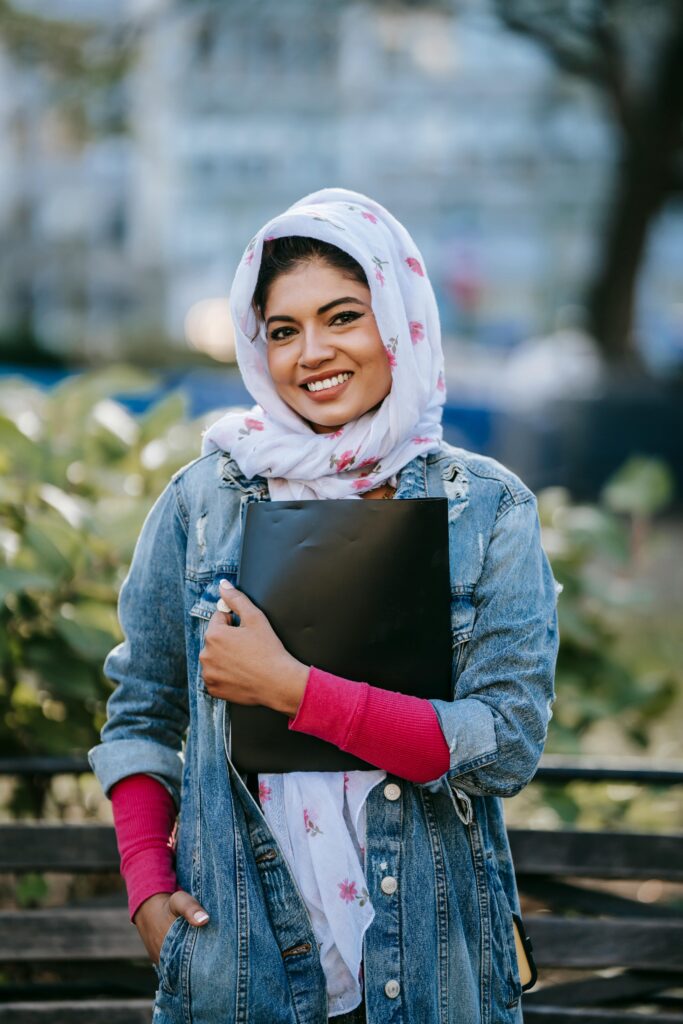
x=394, y=731
x=144, y=817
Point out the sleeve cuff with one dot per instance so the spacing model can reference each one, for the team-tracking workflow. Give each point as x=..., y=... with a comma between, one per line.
x=117, y=759
x=470, y=732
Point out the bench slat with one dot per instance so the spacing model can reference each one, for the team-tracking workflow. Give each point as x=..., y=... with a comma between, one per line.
x=592, y=943
x=597, y=854
x=39, y=847
x=95, y=1011
x=64, y=934
x=541, y=1014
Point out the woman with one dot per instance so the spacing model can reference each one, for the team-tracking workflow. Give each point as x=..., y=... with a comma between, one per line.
x=378, y=895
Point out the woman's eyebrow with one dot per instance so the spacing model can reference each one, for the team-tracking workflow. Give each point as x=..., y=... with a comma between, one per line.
x=323, y=309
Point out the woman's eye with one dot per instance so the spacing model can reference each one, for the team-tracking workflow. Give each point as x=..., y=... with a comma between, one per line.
x=277, y=334
x=349, y=314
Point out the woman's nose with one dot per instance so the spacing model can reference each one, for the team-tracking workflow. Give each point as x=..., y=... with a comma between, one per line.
x=315, y=347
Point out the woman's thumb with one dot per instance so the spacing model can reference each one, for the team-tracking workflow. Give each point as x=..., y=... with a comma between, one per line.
x=182, y=904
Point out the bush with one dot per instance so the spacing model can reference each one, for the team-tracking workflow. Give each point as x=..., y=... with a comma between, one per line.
x=78, y=474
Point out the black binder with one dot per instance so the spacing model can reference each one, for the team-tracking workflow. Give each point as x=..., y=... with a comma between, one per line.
x=358, y=588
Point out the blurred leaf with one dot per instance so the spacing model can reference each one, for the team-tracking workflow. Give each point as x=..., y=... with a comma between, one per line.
x=31, y=890
x=14, y=581
x=92, y=642
x=162, y=416
x=642, y=487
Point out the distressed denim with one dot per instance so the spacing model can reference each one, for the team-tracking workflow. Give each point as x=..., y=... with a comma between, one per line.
x=440, y=949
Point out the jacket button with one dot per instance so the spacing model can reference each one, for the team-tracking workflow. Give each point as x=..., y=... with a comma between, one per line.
x=392, y=988
x=392, y=791
x=389, y=885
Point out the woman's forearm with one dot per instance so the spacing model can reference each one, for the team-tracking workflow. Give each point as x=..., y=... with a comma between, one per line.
x=393, y=731
x=144, y=816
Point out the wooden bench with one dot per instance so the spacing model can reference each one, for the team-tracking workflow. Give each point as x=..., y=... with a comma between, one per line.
x=86, y=964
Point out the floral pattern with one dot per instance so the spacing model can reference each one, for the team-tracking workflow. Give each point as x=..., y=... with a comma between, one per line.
x=362, y=484
x=415, y=265
x=390, y=347
x=343, y=462
x=264, y=792
x=348, y=893
x=379, y=268
x=249, y=253
x=441, y=382
x=417, y=331
x=249, y=424
x=310, y=825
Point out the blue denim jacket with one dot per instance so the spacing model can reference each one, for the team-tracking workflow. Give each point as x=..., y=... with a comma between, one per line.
x=440, y=949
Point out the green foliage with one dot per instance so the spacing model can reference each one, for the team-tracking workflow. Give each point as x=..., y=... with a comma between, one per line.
x=594, y=554
x=78, y=474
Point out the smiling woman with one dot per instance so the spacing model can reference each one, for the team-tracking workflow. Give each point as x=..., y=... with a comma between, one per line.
x=328, y=361
x=300, y=893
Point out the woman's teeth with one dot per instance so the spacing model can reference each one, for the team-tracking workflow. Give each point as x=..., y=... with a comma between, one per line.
x=329, y=382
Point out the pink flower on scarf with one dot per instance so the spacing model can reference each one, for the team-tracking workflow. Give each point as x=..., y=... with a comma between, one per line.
x=310, y=825
x=346, y=781
x=441, y=383
x=336, y=433
x=347, y=891
x=379, y=267
x=346, y=459
x=417, y=331
x=249, y=257
x=420, y=440
x=264, y=792
x=362, y=484
x=390, y=357
x=249, y=424
x=369, y=216
x=415, y=265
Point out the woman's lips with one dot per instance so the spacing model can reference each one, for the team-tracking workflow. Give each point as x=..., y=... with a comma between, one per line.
x=325, y=394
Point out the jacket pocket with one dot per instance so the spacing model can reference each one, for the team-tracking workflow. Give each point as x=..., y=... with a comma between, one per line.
x=504, y=965
x=200, y=612
x=170, y=955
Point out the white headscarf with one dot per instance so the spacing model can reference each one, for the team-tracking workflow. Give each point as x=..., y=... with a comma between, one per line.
x=274, y=441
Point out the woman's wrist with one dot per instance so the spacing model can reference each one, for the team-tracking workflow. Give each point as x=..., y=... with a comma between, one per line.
x=287, y=695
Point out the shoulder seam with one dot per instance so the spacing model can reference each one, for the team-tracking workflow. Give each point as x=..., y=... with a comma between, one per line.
x=180, y=504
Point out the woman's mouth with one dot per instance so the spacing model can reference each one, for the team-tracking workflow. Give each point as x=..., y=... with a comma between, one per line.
x=330, y=387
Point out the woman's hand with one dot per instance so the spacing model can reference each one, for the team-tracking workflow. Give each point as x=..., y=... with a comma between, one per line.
x=247, y=664
x=154, y=917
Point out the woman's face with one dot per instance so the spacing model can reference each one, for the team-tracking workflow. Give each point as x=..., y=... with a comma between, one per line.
x=319, y=324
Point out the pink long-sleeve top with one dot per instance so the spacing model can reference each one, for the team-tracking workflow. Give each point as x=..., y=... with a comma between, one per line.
x=393, y=731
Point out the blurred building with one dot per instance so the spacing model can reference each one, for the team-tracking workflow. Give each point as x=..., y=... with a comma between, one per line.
x=232, y=111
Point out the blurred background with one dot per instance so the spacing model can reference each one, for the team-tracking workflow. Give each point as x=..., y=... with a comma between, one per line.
x=535, y=152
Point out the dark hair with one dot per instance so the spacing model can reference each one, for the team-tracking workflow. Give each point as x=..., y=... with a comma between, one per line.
x=280, y=255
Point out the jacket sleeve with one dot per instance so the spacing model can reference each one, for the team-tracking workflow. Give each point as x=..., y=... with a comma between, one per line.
x=147, y=714
x=497, y=724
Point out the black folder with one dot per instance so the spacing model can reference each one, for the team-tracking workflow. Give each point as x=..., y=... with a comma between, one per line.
x=358, y=588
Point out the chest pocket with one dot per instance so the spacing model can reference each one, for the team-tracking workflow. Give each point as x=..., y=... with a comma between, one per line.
x=202, y=610
x=462, y=624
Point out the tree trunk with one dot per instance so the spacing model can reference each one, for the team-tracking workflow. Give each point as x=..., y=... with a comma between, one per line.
x=647, y=178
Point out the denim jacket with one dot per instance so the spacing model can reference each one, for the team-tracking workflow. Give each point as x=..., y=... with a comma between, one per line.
x=440, y=949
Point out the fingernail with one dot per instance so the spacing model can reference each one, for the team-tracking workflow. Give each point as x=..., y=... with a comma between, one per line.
x=227, y=584
x=222, y=606
x=201, y=916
